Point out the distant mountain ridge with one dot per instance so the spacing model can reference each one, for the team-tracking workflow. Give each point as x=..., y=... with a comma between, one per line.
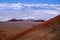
x=12, y=20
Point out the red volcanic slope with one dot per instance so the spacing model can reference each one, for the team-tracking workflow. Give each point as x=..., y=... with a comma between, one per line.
x=49, y=30
x=8, y=29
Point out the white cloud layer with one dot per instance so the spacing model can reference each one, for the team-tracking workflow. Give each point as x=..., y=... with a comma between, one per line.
x=20, y=6
x=4, y=18
x=28, y=11
x=33, y=14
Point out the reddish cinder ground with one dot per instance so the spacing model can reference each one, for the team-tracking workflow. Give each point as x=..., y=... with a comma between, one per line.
x=9, y=29
x=49, y=30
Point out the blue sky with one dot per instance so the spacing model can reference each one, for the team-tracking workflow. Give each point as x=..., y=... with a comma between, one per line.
x=32, y=1
x=29, y=9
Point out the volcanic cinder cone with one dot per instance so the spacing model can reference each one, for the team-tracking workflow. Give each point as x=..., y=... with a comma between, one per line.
x=49, y=30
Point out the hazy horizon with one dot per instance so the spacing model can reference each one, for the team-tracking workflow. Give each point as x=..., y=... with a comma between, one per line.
x=29, y=9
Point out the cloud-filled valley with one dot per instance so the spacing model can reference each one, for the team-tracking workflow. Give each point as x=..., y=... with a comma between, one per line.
x=26, y=11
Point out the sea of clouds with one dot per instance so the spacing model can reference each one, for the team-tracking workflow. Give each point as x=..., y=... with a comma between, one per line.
x=28, y=11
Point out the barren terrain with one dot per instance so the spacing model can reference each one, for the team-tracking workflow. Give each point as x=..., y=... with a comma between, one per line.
x=9, y=29
x=28, y=30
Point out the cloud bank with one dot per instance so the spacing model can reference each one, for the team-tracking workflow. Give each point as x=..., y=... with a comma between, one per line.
x=26, y=11
x=20, y=6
